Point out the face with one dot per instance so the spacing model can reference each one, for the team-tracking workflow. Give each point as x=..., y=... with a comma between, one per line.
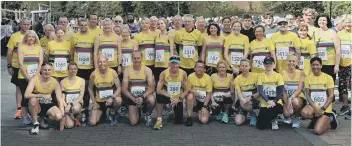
x=283, y=26
x=47, y=31
x=25, y=25
x=72, y=70
x=268, y=67
x=178, y=21
x=118, y=21
x=245, y=66
x=161, y=25
x=145, y=24
x=201, y=23
x=236, y=27
x=199, y=69
x=316, y=66
x=174, y=66
x=137, y=58
x=303, y=32
x=93, y=20
x=125, y=34
x=213, y=30
x=46, y=71
x=268, y=20
x=307, y=17
x=291, y=21
x=63, y=22
x=153, y=22
x=292, y=61
x=247, y=22
x=259, y=33
x=189, y=24
x=107, y=26
x=130, y=17
x=222, y=68
x=60, y=34
x=347, y=24
x=322, y=21
x=117, y=30
x=83, y=26
x=227, y=23
x=30, y=39
x=102, y=63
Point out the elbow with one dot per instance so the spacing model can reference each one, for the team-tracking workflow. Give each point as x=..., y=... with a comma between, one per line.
x=26, y=96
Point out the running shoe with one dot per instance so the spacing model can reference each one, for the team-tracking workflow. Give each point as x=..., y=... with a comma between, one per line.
x=43, y=123
x=312, y=123
x=113, y=120
x=344, y=110
x=219, y=116
x=158, y=125
x=334, y=122
x=35, y=129
x=253, y=121
x=296, y=122
x=274, y=125
x=148, y=120
x=189, y=121
x=18, y=114
x=27, y=120
x=225, y=118
x=287, y=120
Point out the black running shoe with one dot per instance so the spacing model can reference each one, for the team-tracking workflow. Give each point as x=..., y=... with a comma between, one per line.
x=189, y=121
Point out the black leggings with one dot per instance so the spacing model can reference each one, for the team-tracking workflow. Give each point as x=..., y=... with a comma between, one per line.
x=23, y=87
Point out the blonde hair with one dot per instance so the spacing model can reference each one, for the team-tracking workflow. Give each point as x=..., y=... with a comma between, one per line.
x=221, y=62
x=293, y=55
x=49, y=26
x=107, y=20
x=125, y=28
x=309, y=10
x=188, y=16
x=30, y=33
x=345, y=17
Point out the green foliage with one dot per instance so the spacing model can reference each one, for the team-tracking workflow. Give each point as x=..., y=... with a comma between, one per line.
x=291, y=7
x=338, y=7
x=159, y=9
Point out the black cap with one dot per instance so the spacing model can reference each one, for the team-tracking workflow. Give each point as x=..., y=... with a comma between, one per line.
x=268, y=60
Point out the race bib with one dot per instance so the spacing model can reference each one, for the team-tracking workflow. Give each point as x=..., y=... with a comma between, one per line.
x=322, y=53
x=32, y=69
x=126, y=59
x=60, y=64
x=83, y=58
x=149, y=53
x=213, y=57
x=236, y=58
x=108, y=53
x=282, y=53
x=201, y=96
x=138, y=91
x=44, y=100
x=319, y=98
x=258, y=61
x=247, y=94
x=174, y=88
x=70, y=98
x=346, y=51
x=160, y=56
x=268, y=36
x=270, y=91
x=301, y=63
x=219, y=96
x=106, y=94
x=188, y=51
x=290, y=89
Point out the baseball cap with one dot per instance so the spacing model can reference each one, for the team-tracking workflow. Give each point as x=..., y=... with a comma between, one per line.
x=282, y=20
x=174, y=59
x=268, y=60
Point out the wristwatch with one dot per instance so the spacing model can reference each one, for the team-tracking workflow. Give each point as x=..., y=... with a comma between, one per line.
x=9, y=66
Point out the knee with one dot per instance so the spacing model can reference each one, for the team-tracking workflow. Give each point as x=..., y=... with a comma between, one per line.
x=151, y=99
x=306, y=113
x=238, y=120
x=133, y=122
x=76, y=109
x=318, y=131
x=69, y=125
x=204, y=119
x=296, y=103
x=189, y=98
x=92, y=121
x=118, y=100
x=33, y=102
x=58, y=116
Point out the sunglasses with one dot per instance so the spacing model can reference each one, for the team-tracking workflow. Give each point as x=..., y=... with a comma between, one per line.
x=282, y=23
x=118, y=21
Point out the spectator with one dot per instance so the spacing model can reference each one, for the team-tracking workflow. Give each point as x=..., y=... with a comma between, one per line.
x=247, y=27
x=6, y=32
x=38, y=27
x=291, y=23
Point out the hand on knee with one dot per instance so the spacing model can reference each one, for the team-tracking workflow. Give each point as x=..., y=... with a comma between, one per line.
x=33, y=102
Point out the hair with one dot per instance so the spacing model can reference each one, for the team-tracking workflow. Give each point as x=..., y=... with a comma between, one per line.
x=245, y=60
x=23, y=20
x=188, y=16
x=301, y=26
x=173, y=19
x=199, y=61
x=221, y=62
x=145, y=19
x=93, y=14
x=268, y=14
x=63, y=17
x=329, y=25
x=222, y=21
x=72, y=63
x=200, y=18
x=258, y=26
x=236, y=21
x=293, y=54
x=216, y=25
x=59, y=27
x=165, y=21
x=308, y=10
x=82, y=20
x=137, y=51
x=288, y=15
x=50, y=26
x=30, y=32
x=46, y=63
x=107, y=20
x=247, y=16
x=153, y=18
x=345, y=17
x=316, y=58
x=125, y=28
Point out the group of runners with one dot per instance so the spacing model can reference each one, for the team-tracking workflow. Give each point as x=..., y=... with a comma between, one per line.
x=68, y=77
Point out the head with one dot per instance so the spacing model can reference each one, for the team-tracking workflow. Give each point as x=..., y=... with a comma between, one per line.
x=30, y=38
x=199, y=68
x=125, y=33
x=25, y=24
x=303, y=30
x=118, y=20
x=213, y=29
x=188, y=21
x=283, y=25
x=145, y=24
x=174, y=63
x=201, y=24
x=247, y=21
x=93, y=19
x=236, y=26
x=177, y=21
x=72, y=69
x=346, y=21
x=102, y=62
x=41, y=19
x=292, y=61
x=259, y=31
x=245, y=66
x=269, y=63
x=83, y=25
x=338, y=23
x=48, y=29
x=268, y=19
x=221, y=67
x=226, y=22
x=323, y=21
x=137, y=58
x=117, y=29
x=316, y=64
x=153, y=22
x=63, y=21
x=46, y=70
x=107, y=25
x=60, y=32
x=308, y=15
x=130, y=18
x=290, y=19
x=162, y=24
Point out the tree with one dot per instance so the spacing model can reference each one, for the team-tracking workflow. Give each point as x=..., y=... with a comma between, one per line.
x=337, y=7
x=291, y=7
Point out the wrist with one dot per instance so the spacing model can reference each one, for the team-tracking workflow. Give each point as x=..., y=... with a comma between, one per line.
x=9, y=66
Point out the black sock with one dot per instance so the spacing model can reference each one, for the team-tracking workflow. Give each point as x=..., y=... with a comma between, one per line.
x=19, y=108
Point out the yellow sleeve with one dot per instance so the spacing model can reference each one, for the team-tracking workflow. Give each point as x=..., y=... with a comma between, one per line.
x=246, y=43
x=209, y=87
x=312, y=48
x=137, y=38
x=296, y=41
x=251, y=46
x=271, y=45
x=330, y=82
x=11, y=44
x=280, y=80
x=227, y=43
x=48, y=48
x=190, y=81
x=72, y=41
x=306, y=82
x=69, y=46
x=259, y=82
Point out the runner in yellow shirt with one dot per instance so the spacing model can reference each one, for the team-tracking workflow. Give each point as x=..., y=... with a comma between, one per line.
x=226, y=31
x=308, y=48
x=154, y=26
x=93, y=25
x=202, y=26
x=48, y=29
x=320, y=94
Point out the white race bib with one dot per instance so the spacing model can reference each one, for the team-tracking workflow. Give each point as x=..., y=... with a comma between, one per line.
x=160, y=56
x=138, y=91
x=270, y=91
x=319, y=98
x=246, y=94
x=60, y=64
x=32, y=69
x=109, y=53
x=301, y=62
x=83, y=58
x=236, y=57
x=290, y=89
x=282, y=53
x=174, y=88
x=106, y=94
x=322, y=53
x=219, y=96
x=213, y=57
x=149, y=53
x=126, y=59
x=44, y=100
x=258, y=61
x=268, y=36
x=189, y=51
x=346, y=51
x=201, y=96
x=70, y=98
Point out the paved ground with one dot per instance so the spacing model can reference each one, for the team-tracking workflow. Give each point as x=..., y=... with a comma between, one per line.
x=213, y=134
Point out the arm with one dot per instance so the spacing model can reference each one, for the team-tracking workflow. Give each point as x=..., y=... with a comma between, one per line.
x=61, y=103
x=150, y=81
x=279, y=91
x=159, y=88
x=63, y=90
x=29, y=91
x=96, y=46
x=81, y=93
x=226, y=55
x=117, y=85
x=41, y=60
x=90, y=88
x=336, y=40
x=330, y=98
x=311, y=103
x=125, y=90
x=171, y=42
x=203, y=50
x=119, y=53
x=300, y=85
x=185, y=85
x=135, y=45
x=262, y=94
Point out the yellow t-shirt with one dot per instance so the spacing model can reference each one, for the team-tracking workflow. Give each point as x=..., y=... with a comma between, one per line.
x=325, y=46
x=259, y=50
x=285, y=44
x=307, y=49
x=345, y=49
x=236, y=46
x=146, y=44
x=188, y=47
x=95, y=32
x=68, y=35
x=44, y=43
x=291, y=84
x=224, y=35
x=173, y=31
x=213, y=51
x=318, y=87
x=59, y=56
x=269, y=83
x=202, y=85
x=137, y=83
x=248, y=85
x=162, y=51
x=83, y=50
x=13, y=43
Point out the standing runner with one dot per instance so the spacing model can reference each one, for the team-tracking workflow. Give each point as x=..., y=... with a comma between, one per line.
x=154, y=26
x=48, y=29
x=308, y=19
x=308, y=49
x=63, y=22
x=226, y=31
x=177, y=22
x=128, y=45
x=93, y=25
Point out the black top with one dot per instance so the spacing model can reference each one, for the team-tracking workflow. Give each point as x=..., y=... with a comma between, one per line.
x=249, y=33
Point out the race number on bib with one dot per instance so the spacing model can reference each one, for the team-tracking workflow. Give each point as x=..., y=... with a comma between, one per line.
x=44, y=100
x=236, y=58
x=346, y=51
x=188, y=51
x=70, y=98
x=32, y=69
x=270, y=91
x=319, y=98
x=290, y=89
x=60, y=64
x=138, y=91
x=174, y=88
x=219, y=96
x=126, y=59
x=149, y=54
x=213, y=57
x=282, y=53
x=83, y=58
x=258, y=61
x=246, y=94
x=108, y=53
x=106, y=94
x=160, y=56
x=322, y=53
x=201, y=96
x=301, y=62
